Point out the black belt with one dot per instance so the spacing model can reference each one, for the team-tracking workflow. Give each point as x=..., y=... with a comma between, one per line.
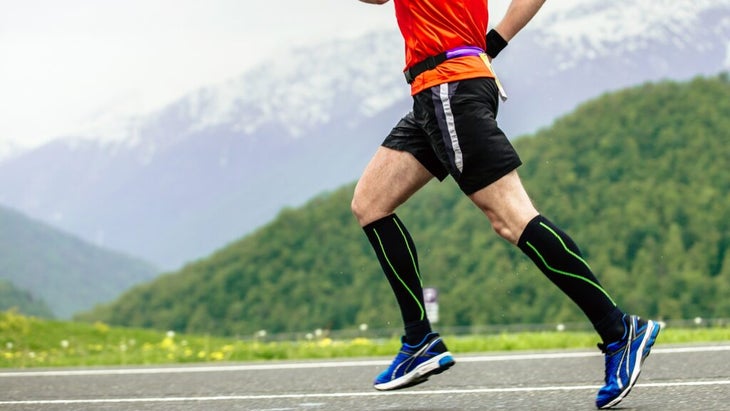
x=431, y=62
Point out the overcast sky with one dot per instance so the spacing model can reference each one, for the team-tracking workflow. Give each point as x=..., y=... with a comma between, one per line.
x=64, y=63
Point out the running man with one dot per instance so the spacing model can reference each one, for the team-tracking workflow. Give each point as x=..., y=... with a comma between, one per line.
x=452, y=130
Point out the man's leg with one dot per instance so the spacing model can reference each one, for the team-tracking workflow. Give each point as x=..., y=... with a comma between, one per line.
x=391, y=178
x=513, y=217
x=388, y=181
x=627, y=340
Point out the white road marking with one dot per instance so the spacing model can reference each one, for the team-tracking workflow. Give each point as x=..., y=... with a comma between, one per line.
x=351, y=394
x=330, y=364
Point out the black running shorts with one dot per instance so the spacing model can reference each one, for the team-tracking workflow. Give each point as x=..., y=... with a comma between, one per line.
x=453, y=130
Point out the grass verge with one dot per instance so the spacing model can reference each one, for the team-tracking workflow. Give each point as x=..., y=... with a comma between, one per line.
x=32, y=342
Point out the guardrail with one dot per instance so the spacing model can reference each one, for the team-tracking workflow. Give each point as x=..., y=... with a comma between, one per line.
x=363, y=331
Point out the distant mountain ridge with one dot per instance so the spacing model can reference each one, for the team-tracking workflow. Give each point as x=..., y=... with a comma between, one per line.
x=225, y=159
x=68, y=274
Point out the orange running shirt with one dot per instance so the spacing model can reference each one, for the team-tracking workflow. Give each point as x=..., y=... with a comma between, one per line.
x=430, y=27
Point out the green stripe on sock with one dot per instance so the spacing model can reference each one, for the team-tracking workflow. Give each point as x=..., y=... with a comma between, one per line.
x=545, y=226
x=567, y=273
x=420, y=306
x=413, y=260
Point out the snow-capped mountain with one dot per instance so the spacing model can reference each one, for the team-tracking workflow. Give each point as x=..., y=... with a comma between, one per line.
x=599, y=29
x=600, y=46
x=223, y=160
x=306, y=89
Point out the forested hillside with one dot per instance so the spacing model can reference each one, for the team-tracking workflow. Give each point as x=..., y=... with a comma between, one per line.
x=66, y=273
x=13, y=298
x=639, y=178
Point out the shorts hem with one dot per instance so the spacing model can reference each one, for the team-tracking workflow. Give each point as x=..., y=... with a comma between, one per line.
x=471, y=188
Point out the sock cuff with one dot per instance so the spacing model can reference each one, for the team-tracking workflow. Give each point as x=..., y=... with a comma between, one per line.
x=380, y=222
x=529, y=228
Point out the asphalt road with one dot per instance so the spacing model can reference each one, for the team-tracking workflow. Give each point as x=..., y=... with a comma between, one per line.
x=674, y=378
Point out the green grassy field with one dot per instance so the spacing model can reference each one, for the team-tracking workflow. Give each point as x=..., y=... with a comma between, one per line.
x=31, y=342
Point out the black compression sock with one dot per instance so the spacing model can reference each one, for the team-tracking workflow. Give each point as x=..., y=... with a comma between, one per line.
x=417, y=331
x=559, y=258
x=397, y=255
x=612, y=327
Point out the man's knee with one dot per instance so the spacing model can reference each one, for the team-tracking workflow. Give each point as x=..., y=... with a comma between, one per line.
x=509, y=231
x=364, y=210
x=356, y=208
x=507, y=205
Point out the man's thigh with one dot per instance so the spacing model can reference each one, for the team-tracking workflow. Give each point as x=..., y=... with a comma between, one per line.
x=410, y=137
x=390, y=178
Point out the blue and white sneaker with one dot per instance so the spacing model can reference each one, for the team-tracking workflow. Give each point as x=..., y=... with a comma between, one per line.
x=415, y=363
x=624, y=359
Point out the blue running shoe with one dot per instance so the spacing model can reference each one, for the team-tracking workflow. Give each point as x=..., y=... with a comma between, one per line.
x=624, y=359
x=415, y=363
